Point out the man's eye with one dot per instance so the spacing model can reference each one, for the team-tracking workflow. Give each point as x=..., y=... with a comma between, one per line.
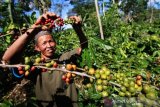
x=50, y=41
x=43, y=43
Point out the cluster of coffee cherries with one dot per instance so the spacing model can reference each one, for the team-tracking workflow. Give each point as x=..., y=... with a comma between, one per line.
x=30, y=65
x=48, y=64
x=51, y=22
x=139, y=80
x=69, y=76
x=25, y=70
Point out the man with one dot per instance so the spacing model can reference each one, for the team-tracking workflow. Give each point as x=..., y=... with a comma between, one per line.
x=49, y=87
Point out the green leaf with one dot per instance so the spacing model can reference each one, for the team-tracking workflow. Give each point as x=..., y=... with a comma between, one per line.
x=156, y=53
x=8, y=39
x=101, y=43
x=122, y=52
x=96, y=96
x=4, y=105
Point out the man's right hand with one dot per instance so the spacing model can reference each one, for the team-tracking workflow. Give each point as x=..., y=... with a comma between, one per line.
x=45, y=17
x=40, y=23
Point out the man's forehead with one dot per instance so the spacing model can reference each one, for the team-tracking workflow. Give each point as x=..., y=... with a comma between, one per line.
x=42, y=33
x=45, y=38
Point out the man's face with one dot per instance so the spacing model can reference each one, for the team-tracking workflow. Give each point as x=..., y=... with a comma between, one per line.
x=46, y=45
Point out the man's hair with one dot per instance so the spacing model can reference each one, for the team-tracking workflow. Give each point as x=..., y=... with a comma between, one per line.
x=41, y=33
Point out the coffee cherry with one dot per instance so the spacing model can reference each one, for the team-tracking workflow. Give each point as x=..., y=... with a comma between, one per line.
x=69, y=67
x=27, y=67
x=67, y=80
x=55, y=65
x=27, y=60
x=44, y=70
x=26, y=73
x=33, y=68
x=74, y=67
x=139, y=77
x=48, y=65
x=42, y=60
x=52, y=62
x=64, y=77
x=69, y=75
x=20, y=68
x=21, y=72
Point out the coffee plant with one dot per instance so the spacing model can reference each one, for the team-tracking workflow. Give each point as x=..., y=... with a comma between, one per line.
x=121, y=70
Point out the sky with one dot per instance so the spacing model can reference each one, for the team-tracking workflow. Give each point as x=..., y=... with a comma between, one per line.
x=151, y=3
x=67, y=6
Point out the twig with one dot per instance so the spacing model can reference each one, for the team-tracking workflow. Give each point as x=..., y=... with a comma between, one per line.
x=17, y=65
x=156, y=88
x=23, y=82
x=20, y=31
x=5, y=35
x=111, y=82
x=80, y=69
x=64, y=70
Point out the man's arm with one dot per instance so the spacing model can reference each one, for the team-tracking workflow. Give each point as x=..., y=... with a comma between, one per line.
x=17, y=47
x=83, y=40
x=77, y=26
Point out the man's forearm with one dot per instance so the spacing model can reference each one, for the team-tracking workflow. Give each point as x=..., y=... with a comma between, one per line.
x=18, y=45
x=15, y=48
x=81, y=35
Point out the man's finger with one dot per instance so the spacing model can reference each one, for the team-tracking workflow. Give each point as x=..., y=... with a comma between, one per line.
x=38, y=20
x=45, y=16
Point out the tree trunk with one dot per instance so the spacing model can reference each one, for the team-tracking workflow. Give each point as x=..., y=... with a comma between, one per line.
x=10, y=10
x=151, y=18
x=44, y=7
x=99, y=20
x=113, y=1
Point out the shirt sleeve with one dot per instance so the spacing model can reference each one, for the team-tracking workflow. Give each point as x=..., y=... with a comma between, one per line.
x=68, y=55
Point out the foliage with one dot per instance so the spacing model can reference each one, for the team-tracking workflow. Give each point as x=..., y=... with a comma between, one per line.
x=68, y=35
x=135, y=8
x=16, y=12
x=129, y=46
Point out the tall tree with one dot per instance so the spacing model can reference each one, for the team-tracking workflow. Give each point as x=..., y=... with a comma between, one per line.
x=42, y=5
x=59, y=6
x=99, y=19
x=86, y=9
x=134, y=9
x=13, y=13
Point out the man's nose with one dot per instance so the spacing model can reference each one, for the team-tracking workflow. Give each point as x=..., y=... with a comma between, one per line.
x=48, y=44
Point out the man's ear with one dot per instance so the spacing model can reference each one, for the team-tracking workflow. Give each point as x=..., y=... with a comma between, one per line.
x=36, y=48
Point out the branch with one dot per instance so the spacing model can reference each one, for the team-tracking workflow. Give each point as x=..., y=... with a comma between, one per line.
x=65, y=70
x=51, y=69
